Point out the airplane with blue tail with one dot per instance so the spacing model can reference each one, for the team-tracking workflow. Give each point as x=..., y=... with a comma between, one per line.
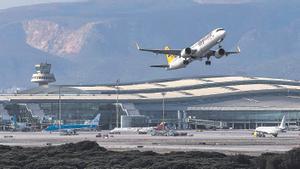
x=90, y=125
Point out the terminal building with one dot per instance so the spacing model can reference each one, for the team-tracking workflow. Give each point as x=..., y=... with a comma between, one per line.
x=231, y=101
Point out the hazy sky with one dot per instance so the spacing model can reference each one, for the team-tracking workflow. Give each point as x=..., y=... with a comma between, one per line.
x=14, y=3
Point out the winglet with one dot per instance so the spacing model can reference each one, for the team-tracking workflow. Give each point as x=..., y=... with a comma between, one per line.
x=238, y=50
x=137, y=46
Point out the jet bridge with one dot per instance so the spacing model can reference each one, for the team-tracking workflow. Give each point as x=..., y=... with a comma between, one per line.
x=129, y=109
x=206, y=123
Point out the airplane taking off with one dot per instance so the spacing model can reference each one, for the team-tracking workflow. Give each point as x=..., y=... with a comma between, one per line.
x=180, y=58
x=273, y=130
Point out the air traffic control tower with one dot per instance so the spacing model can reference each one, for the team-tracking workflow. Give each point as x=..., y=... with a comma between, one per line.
x=42, y=76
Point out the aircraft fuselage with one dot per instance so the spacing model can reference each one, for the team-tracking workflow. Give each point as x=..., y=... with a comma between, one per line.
x=199, y=49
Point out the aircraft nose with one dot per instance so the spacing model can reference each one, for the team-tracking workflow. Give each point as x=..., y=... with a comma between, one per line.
x=223, y=33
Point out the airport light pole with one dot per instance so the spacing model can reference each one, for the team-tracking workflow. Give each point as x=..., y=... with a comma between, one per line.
x=163, y=105
x=59, y=109
x=117, y=103
x=2, y=121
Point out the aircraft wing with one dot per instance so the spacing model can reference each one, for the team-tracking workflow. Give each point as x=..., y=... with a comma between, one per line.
x=161, y=51
x=160, y=66
x=213, y=53
x=238, y=50
x=263, y=132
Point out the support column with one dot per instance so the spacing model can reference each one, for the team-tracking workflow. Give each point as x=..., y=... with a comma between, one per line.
x=179, y=118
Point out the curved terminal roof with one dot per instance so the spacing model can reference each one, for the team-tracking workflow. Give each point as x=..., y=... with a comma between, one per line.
x=174, y=84
x=174, y=89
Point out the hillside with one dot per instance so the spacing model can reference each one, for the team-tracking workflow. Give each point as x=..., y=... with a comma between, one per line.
x=93, y=42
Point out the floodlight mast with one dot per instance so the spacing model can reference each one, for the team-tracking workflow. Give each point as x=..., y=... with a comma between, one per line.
x=59, y=108
x=117, y=103
x=163, y=107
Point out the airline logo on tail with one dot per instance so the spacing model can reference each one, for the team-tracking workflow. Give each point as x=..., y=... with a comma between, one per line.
x=169, y=57
x=96, y=120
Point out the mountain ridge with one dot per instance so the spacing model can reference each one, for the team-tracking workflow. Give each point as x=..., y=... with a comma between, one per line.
x=94, y=41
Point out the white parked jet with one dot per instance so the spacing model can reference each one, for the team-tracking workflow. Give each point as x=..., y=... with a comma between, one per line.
x=180, y=58
x=273, y=130
x=136, y=130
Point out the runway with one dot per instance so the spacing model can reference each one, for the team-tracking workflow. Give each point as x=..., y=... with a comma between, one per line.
x=224, y=141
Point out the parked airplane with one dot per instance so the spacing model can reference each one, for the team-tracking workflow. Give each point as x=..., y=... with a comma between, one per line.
x=273, y=130
x=18, y=126
x=136, y=130
x=71, y=127
x=180, y=58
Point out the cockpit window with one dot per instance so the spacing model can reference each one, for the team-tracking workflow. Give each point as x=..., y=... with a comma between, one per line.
x=221, y=29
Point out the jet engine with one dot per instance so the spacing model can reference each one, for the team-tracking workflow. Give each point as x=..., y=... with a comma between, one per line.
x=186, y=52
x=220, y=53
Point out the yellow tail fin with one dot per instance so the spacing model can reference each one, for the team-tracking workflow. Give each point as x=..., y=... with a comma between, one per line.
x=169, y=57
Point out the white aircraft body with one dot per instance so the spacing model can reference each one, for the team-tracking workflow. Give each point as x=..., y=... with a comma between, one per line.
x=131, y=130
x=272, y=130
x=180, y=58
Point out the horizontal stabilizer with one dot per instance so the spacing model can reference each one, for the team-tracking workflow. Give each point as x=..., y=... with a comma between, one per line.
x=161, y=66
